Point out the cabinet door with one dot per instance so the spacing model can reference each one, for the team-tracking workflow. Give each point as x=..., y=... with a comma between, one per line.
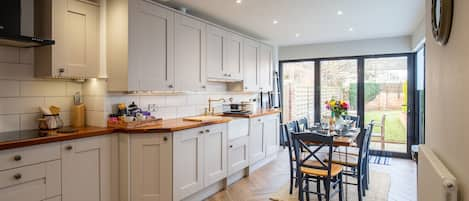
x=256, y=140
x=271, y=133
x=76, y=49
x=232, y=49
x=189, y=53
x=215, y=53
x=238, y=154
x=215, y=141
x=251, y=65
x=86, y=169
x=265, y=68
x=151, y=166
x=187, y=162
x=150, y=47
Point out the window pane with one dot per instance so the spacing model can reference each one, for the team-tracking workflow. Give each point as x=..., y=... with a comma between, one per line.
x=339, y=81
x=298, y=91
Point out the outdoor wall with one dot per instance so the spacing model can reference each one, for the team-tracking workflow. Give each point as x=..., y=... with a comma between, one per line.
x=347, y=48
x=447, y=118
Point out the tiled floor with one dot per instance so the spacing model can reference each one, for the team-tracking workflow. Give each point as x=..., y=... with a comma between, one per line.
x=261, y=184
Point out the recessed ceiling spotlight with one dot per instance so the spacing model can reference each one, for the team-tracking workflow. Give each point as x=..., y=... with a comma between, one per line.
x=350, y=29
x=275, y=22
x=297, y=35
x=339, y=12
x=239, y=1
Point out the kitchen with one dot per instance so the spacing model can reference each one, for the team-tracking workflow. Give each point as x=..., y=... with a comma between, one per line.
x=136, y=54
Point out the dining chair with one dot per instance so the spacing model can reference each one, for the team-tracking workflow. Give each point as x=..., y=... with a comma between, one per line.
x=355, y=119
x=380, y=136
x=288, y=129
x=358, y=163
x=302, y=124
x=312, y=166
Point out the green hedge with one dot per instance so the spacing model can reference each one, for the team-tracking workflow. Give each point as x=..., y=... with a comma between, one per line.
x=371, y=91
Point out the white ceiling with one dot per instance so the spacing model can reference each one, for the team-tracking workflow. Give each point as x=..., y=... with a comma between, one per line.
x=316, y=21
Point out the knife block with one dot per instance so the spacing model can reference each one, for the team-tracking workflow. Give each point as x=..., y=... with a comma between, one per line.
x=77, y=119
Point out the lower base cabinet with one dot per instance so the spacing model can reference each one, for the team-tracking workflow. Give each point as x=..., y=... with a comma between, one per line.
x=238, y=154
x=146, y=167
x=263, y=137
x=86, y=169
x=199, y=159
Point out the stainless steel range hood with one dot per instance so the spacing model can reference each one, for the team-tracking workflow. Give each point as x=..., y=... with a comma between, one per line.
x=16, y=24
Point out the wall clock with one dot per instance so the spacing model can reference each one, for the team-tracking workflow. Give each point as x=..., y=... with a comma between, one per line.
x=442, y=17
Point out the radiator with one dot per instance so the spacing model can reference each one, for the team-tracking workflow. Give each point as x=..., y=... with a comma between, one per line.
x=435, y=182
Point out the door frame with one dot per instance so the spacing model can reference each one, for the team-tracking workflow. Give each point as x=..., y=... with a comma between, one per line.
x=411, y=72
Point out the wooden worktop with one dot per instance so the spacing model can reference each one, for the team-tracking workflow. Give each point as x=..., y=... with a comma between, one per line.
x=254, y=115
x=53, y=136
x=163, y=126
x=172, y=125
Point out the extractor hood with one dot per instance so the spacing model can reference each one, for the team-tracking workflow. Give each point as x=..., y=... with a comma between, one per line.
x=16, y=24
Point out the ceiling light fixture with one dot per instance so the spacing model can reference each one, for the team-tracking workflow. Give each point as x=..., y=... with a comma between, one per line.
x=239, y=1
x=275, y=22
x=339, y=12
x=350, y=29
x=297, y=35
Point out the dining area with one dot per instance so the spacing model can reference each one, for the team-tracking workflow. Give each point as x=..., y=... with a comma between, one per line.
x=328, y=159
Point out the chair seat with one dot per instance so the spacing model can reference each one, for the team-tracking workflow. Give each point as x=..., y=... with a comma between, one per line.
x=335, y=169
x=345, y=159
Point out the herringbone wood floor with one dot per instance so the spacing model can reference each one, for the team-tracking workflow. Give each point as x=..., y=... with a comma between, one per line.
x=270, y=178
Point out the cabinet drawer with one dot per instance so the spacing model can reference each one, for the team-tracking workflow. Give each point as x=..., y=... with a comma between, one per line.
x=29, y=155
x=38, y=181
x=238, y=128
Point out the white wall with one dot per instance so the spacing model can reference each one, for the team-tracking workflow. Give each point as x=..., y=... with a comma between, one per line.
x=21, y=94
x=347, y=48
x=418, y=37
x=447, y=93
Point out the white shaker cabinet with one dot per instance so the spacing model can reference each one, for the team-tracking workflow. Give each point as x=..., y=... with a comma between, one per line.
x=140, y=46
x=74, y=25
x=188, y=160
x=238, y=154
x=224, y=54
x=251, y=50
x=265, y=68
x=257, y=150
x=189, y=54
x=86, y=169
x=271, y=134
x=146, y=167
x=215, y=143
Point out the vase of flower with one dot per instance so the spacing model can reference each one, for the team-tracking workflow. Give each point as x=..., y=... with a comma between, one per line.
x=338, y=109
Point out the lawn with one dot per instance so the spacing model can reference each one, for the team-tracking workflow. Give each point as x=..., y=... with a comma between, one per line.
x=395, y=130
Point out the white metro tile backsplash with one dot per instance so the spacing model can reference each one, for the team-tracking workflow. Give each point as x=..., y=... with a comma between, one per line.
x=21, y=94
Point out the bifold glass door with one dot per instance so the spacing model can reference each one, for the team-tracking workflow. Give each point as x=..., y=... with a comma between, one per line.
x=378, y=88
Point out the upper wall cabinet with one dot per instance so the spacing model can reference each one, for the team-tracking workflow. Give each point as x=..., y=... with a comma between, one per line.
x=224, y=53
x=74, y=25
x=251, y=65
x=189, y=54
x=265, y=68
x=140, y=51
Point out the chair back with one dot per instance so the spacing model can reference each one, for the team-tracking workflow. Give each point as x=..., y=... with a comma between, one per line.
x=355, y=119
x=300, y=142
x=365, y=144
x=302, y=124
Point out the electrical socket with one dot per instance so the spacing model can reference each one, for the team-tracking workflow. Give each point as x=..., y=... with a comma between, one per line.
x=152, y=107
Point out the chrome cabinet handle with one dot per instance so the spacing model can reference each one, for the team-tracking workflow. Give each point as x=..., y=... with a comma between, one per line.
x=17, y=176
x=17, y=158
x=170, y=86
x=201, y=132
x=231, y=146
x=203, y=86
x=69, y=147
x=207, y=131
x=165, y=138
